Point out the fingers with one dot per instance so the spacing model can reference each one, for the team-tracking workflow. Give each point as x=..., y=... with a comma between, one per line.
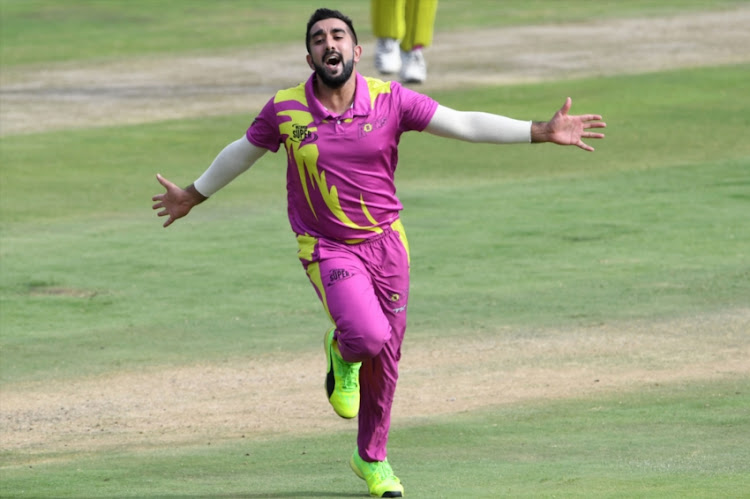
x=164, y=213
x=161, y=198
x=583, y=117
x=588, y=126
x=166, y=183
x=588, y=135
x=592, y=135
x=573, y=129
x=566, y=106
x=591, y=117
x=169, y=186
x=160, y=201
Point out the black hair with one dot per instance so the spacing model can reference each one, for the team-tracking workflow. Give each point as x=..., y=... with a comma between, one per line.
x=321, y=14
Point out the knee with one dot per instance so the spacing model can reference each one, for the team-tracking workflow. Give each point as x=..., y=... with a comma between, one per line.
x=361, y=342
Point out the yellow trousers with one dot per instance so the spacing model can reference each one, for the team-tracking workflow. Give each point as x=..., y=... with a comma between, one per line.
x=411, y=21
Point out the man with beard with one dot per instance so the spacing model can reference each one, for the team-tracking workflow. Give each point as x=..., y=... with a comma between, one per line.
x=341, y=132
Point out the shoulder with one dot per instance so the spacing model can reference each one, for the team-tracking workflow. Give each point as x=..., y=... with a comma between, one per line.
x=388, y=91
x=291, y=94
x=377, y=86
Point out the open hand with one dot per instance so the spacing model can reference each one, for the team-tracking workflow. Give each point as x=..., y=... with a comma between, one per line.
x=175, y=202
x=565, y=129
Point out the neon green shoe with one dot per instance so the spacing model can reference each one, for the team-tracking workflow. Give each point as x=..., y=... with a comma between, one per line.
x=342, y=380
x=379, y=476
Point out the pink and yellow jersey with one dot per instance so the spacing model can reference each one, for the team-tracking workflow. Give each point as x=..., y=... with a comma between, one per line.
x=340, y=175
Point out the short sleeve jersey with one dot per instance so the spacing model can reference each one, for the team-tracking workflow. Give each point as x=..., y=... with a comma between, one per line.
x=340, y=174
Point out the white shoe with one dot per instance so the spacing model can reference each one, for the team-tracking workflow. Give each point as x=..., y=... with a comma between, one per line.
x=413, y=67
x=387, y=57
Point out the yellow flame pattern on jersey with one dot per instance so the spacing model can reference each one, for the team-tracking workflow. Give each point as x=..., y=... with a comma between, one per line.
x=306, y=156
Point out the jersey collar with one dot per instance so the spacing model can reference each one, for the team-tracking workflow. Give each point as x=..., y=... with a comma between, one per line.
x=360, y=106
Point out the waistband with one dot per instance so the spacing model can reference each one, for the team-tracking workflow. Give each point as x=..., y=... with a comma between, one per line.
x=307, y=244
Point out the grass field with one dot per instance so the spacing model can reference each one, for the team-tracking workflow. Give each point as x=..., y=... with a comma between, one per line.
x=41, y=31
x=637, y=255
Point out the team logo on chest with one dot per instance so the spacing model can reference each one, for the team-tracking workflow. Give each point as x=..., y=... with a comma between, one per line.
x=300, y=133
x=366, y=128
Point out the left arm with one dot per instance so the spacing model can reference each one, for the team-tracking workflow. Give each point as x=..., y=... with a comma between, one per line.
x=473, y=126
x=562, y=129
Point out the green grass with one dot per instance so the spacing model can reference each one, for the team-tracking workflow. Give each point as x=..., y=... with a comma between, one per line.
x=45, y=31
x=653, y=225
x=41, y=31
x=664, y=441
x=650, y=225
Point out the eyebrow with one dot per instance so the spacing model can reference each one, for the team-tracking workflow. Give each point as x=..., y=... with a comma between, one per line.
x=322, y=32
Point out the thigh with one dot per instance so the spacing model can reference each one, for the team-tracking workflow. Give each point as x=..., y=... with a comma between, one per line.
x=390, y=274
x=350, y=295
x=345, y=287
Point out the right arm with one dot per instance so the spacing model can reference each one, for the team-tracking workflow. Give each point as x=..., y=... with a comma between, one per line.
x=562, y=129
x=233, y=160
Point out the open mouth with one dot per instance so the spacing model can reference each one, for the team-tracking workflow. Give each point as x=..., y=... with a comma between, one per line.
x=332, y=60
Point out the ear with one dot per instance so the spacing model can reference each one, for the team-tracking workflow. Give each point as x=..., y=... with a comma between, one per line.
x=310, y=62
x=357, y=53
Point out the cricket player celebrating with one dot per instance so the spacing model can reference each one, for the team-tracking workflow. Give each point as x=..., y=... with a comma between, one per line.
x=340, y=131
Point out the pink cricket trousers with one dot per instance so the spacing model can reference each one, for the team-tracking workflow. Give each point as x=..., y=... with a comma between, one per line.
x=364, y=287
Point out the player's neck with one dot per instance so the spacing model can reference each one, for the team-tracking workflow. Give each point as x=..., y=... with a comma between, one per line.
x=337, y=100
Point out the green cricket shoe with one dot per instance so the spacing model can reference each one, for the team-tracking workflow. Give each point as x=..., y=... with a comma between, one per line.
x=342, y=380
x=379, y=476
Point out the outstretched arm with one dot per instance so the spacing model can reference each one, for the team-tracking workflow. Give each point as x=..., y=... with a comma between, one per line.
x=234, y=159
x=472, y=126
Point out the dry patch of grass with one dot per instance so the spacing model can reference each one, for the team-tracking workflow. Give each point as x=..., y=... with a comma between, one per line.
x=281, y=394
x=139, y=90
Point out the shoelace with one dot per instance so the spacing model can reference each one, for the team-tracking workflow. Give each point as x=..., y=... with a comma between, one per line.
x=381, y=470
x=386, y=45
x=350, y=378
x=415, y=57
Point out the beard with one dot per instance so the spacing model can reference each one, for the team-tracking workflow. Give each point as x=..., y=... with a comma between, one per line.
x=347, y=68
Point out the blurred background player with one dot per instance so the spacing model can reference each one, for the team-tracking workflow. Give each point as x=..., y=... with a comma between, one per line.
x=410, y=22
